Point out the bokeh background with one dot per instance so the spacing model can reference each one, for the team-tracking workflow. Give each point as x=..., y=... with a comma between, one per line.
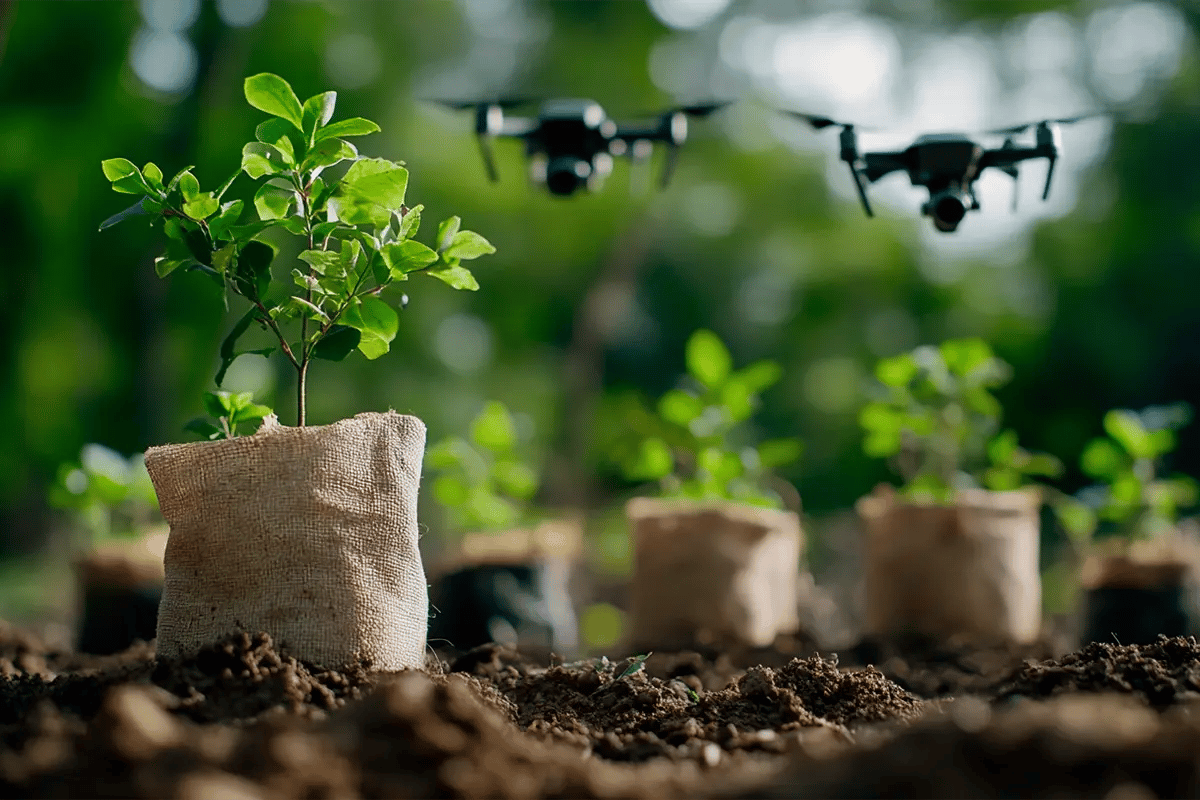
x=1091, y=296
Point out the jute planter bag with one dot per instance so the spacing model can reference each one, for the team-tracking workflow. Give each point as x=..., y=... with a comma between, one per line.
x=720, y=571
x=969, y=570
x=308, y=534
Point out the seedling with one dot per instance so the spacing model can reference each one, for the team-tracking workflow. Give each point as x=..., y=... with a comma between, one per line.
x=935, y=418
x=483, y=484
x=694, y=444
x=636, y=665
x=228, y=410
x=355, y=230
x=1130, y=496
x=108, y=495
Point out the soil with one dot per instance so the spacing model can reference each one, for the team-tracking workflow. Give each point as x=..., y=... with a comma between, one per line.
x=243, y=719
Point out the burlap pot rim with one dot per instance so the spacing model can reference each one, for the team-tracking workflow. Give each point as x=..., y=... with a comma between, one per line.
x=646, y=507
x=884, y=498
x=1165, y=560
x=548, y=540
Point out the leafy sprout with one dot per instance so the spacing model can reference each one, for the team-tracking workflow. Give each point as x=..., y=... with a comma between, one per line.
x=229, y=410
x=107, y=494
x=935, y=418
x=1130, y=496
x=694, y=443
x=357, y=234
x=483, y=483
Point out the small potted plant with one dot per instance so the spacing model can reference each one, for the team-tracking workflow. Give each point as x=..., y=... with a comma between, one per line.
x=953, y=551
x=716, y=557
x=506, y=579
x=111, y=504
x=1137, y=563
x=306, y=533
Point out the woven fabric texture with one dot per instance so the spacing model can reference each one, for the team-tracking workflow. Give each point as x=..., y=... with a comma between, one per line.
x=724, y=571
x=308, y=534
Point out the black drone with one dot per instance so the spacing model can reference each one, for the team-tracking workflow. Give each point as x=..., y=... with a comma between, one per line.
x=947, y=164
x=571, y=143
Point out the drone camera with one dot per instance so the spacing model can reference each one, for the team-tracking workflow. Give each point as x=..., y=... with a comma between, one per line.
x=947, y=208
x=566, y=174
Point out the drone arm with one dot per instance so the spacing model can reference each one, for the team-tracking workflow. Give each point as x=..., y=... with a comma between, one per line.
x=1049, y=176
x=876, y=165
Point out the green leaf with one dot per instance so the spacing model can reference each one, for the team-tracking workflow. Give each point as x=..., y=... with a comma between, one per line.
x=253, y=276
x=317, y=112
x=339, y=342
x=679, y=407
x=404, y=257
x=1125, y=427
x=273, y=95
x=515, y=479
x=138, y=209
x=372, y=182
x=220, y=225
x=451, y=491
x=880, y=417
x=274, y=130
x=322, y=261
x=982, y=402
x=446, y=454
x=1002, y=449
x=707, y=359
x=202, y=207
x=376, y=321
x=468, y=245
x=218, y=404
x=124, y=176
x=205, y=429
x=228, y=353
x=1042, y=464
x=1077, y=519
x=328, y=153
x=759, y=376
x=446, y=232
x=189, y=187
x=737, y=400
x=652, y=461
x=410, y=223
x=454, y=276
x=260, y=159
x=272, y=202
x=962, y=356
x=494, y=428
x=775, y=453
x=897, y=371
x=153, y=176
x=355, y=126
x=1001, y=479
x=164, y=266
x=882, y=443
x=1101, y=459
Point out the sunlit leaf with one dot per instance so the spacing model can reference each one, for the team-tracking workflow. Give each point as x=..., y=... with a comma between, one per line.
x=494, y=428
x=468, y=245
x=376, y=321
x=454, y=276
x=355, y=126
x=708, y=361
x=273, y=95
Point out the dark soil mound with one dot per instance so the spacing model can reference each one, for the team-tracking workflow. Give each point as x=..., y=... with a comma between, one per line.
x=244, y=676
x=1163, y=673
x=619, y=712
x=1099, y=746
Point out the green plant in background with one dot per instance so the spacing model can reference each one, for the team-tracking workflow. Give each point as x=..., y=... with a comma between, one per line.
x=229, y=410
x=107, y=494
x=1130, y=496
x=484, y=484
x=935, y=418
x=356, y=232
x=695, y=444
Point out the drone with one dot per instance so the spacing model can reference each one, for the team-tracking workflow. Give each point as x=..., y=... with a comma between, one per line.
x=947, y=164
x=571, y=142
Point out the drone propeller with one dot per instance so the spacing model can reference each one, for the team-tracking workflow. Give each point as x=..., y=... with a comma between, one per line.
x=489, y=120
x=1015, y=129
x=817, y=122
x=502, y=102
x=849, y=150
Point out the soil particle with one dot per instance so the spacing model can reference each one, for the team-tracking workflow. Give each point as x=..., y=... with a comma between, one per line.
x=1163, y=674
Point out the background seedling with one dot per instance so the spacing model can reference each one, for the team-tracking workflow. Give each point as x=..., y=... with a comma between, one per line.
x=107, y=495
x=695, y=443
x=228, y=410
x=1130, y=498
x=484, y=484
x=935, y=419
x=356, y=232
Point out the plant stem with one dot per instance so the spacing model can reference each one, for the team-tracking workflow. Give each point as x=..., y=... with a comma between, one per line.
x=301, y=377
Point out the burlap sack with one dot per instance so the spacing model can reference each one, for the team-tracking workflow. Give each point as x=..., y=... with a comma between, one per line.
x=722, y=572
x=308, y=534
x=969, y=570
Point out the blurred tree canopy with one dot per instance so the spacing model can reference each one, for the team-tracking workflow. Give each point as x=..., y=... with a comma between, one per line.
x=752, y=240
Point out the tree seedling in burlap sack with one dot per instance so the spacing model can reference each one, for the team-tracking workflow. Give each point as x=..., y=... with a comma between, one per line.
x=308, y=534
x=1126, y=528
x=715, y=556
x=953, y=551
x=508, y=578
x=348, y=211
x=110, y=502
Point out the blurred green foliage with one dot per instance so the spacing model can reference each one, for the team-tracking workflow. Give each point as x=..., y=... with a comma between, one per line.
x=98, y=350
